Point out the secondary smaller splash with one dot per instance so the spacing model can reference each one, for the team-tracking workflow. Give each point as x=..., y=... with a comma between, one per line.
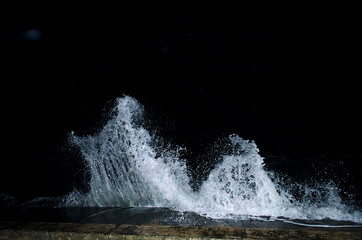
x=127, y=168
x=240, y=186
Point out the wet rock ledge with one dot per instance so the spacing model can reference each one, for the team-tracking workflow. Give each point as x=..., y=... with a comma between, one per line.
x=46, y=230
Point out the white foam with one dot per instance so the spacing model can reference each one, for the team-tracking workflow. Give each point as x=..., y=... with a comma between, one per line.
x=126, y=170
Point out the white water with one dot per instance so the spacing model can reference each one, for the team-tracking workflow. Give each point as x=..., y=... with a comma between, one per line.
x=127, y=169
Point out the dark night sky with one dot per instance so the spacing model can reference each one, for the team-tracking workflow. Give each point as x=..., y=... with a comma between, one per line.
x=283, y=75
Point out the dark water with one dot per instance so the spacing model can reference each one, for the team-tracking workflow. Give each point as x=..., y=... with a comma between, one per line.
x=158, y=216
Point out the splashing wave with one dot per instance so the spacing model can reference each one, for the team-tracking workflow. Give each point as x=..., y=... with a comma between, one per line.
x=127, y=169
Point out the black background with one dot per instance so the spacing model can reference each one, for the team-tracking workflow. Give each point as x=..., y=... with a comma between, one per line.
x=283, y=75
